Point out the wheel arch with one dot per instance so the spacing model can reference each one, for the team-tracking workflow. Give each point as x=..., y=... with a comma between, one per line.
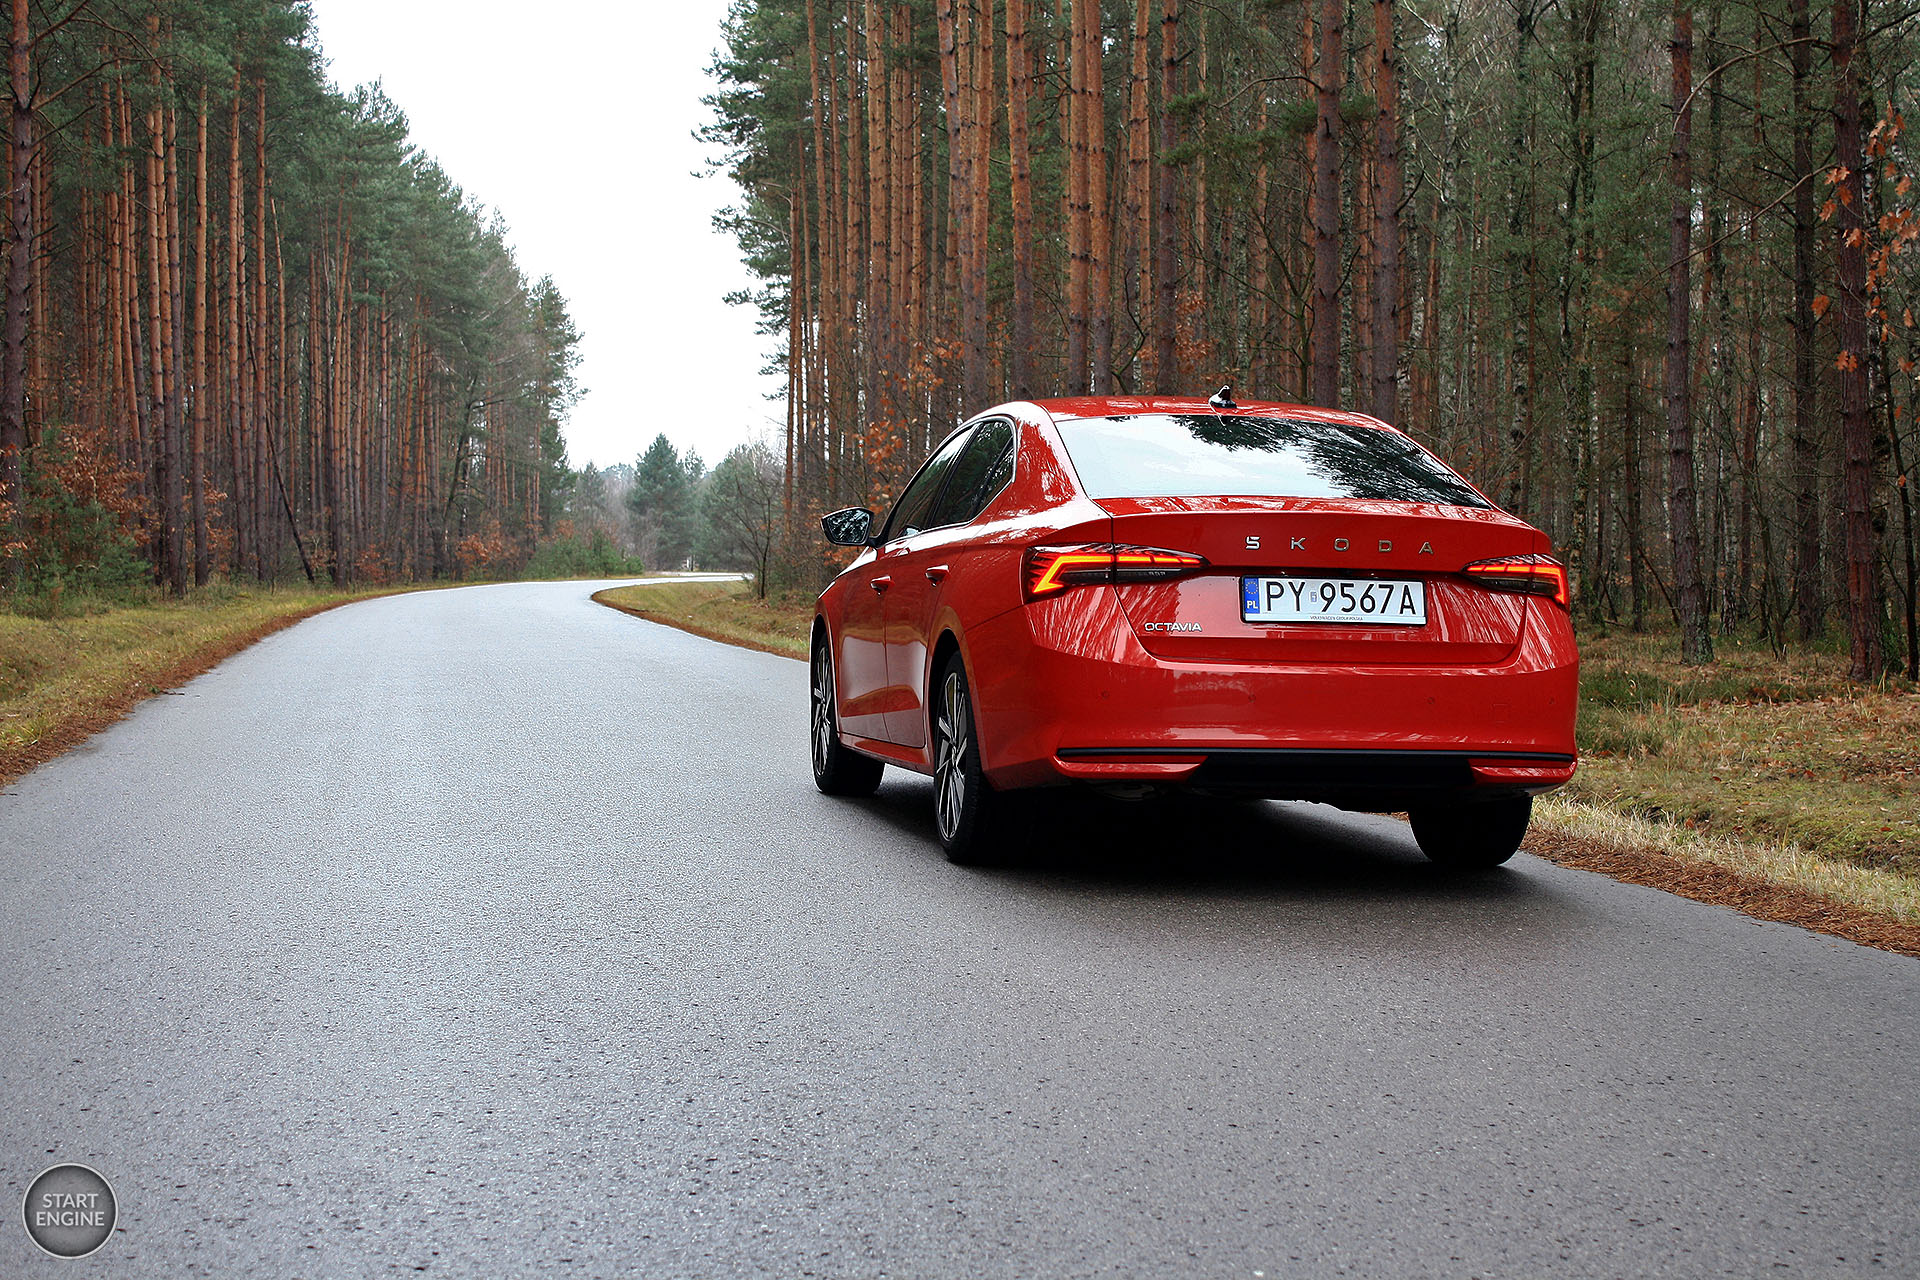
x=947, y=646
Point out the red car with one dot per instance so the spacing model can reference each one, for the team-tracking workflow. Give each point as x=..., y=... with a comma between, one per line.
x=1259, y=599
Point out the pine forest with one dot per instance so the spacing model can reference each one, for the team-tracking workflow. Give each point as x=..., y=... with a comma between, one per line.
x=1642, y=271
x=253, y=330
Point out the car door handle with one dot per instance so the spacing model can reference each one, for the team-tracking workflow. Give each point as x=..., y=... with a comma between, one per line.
x=880, y=584
x=936, y=572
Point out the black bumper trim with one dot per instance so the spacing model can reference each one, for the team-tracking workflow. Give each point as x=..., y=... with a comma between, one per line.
x=1309, y=772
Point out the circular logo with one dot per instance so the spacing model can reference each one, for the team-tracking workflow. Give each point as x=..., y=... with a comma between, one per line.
x=70, y=1211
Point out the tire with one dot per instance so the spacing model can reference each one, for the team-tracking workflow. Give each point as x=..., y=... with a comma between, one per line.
x=838, y=770
x=973, y=820
x=1472, y=835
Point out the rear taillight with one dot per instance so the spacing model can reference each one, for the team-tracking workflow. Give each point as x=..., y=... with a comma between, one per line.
x=1050, y=570
x=1530, y=575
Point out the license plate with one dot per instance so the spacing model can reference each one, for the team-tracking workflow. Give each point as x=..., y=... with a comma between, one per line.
x=1360, y=602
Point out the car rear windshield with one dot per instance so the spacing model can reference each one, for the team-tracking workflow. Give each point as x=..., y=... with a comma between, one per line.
x=1183, y=455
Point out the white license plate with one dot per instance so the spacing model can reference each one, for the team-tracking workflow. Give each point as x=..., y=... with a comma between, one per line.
x=1359, y=602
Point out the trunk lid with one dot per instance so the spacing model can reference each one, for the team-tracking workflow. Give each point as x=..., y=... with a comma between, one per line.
x=1198, y=618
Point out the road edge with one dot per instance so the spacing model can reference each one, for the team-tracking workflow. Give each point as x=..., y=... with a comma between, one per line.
x=18, y=762
x=1716, y=885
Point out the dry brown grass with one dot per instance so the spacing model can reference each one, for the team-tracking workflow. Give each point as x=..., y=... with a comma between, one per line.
x=1760, y=749
x=1781, y=885
x=725, y=611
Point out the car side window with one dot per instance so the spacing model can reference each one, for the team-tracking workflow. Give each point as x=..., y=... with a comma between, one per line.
x=910, y=513
x=980, y=472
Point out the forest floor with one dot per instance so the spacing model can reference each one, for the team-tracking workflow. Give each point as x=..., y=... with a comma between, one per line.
x=1764, y=782
x=70, y=670
x=1772, y=764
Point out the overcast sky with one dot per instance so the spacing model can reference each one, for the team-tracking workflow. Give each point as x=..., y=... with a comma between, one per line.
x=574, y=118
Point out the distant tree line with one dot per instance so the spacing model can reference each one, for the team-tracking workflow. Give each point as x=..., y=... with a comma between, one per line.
x=668, y=512
x=1640, y=268
x=249, y=328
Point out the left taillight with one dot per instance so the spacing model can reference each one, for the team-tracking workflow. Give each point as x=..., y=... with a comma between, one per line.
x=1535, y=575
x=1050, y=570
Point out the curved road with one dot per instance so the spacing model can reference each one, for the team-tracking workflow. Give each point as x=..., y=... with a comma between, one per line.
x=492, y=932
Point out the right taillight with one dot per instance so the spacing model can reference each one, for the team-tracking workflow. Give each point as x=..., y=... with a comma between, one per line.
x=1050, y=570
x=1534, y=575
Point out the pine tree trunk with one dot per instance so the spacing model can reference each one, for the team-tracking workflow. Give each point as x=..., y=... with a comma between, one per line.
x=879, y=189
x=202, y=547
x=241, y=504
x=1100, y=209
x=1136, y=271
x=1079, y=228
x=1808, y=590
x=1696, y=642
x=1576, y=325
x=1167, y=377
x=1866, y=657
x=1020, y=156
x=165, y=452
x=177, y=342
x=1326, y=206
x=958, y=100
x=980, y=380
x=1386, y=218
x=13, y=359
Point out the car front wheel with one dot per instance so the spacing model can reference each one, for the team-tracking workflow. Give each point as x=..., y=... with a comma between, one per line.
x=837, y=770
x=1472, y=834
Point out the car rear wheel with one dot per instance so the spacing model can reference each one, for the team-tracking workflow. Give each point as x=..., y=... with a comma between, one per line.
x=837, y=770
x=971, y=817
x=1472, y=834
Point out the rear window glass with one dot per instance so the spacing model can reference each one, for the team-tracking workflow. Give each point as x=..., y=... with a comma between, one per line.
x=1181, y=455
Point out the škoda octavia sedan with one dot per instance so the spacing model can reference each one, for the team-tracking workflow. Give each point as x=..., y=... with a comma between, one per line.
x=1258, y=600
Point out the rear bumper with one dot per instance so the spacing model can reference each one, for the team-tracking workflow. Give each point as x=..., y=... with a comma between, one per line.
x=1066, y=693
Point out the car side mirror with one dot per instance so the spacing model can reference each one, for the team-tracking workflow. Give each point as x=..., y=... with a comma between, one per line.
x=850, y=527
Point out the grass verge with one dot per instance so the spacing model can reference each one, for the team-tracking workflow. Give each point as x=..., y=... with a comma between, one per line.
x=63, y=679
x=1765, y=782
x=725, y=611
x=1760, y=749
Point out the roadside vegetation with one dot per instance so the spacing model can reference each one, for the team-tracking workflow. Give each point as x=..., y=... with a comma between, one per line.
x=729, y=611
x=1755, y=747
x=1762, y=771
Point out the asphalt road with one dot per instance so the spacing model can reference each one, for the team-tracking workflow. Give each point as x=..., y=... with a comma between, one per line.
x=492, y=932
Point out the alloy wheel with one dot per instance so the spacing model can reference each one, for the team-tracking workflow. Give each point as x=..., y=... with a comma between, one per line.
x=822, y=709
x=950, y=753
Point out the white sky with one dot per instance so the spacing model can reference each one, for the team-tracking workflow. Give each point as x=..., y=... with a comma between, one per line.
x=575, y=119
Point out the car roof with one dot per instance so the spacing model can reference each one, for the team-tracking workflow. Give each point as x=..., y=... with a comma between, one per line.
x=1067, y=408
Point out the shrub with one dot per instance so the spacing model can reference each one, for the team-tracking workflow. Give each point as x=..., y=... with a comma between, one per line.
x=569, y=555
x=81, y=531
